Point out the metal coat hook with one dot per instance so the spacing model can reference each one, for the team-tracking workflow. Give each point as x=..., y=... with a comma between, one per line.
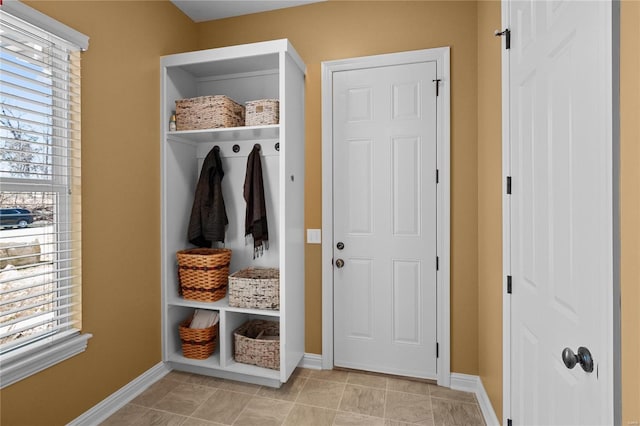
x=257, y=146
x=236, y=148
x=277, y=146
x=216, y=148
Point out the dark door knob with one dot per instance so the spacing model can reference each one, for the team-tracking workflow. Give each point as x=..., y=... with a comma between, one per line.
x=339, y=263
x=583, y=358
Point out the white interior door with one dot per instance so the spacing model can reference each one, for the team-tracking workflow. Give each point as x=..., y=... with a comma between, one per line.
x=384, y=159
x=560, y=109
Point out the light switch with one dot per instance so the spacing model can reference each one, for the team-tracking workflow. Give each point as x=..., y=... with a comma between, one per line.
x=314, y=236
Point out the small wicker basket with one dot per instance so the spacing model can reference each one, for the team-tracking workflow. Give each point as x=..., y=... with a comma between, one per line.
x=198, y=343
x=203, y=273
x=257, y=288
x=208, y=112
x=257, y=342
x=262, y=111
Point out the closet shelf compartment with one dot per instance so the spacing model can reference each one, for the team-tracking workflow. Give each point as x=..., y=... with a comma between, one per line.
x=227, y=134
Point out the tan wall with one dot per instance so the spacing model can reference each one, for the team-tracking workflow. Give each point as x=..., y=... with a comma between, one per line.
x=630, y=207
x=337, y=30
x=490, y=202
x=121, y=221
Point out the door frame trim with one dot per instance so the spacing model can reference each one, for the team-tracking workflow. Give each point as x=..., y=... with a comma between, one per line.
x=441, y=56
x=506, y=223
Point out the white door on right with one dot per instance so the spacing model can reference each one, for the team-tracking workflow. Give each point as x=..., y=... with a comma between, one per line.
x=561, y=258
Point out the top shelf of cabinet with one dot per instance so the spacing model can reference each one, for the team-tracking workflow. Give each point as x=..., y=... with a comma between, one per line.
x=228, y=134
x=247, y=58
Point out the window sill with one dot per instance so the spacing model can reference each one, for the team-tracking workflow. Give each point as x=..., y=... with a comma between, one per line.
x=15, y=367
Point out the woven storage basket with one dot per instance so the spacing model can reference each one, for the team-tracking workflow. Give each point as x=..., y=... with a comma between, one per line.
x=262, y=111
x=203, y=273
x=208, y=112
x=198, y=343
x=257, y=288
x=249, y=349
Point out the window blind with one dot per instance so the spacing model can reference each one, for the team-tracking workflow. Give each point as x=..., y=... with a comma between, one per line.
x=40, y=239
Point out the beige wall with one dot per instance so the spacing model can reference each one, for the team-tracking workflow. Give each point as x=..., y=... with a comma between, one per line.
x=490, y=202
x=121, y=252
x=630, y=207
x=337, y=30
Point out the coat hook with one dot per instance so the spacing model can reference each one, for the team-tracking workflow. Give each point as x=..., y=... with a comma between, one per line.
x=236, y=148
x=257, y=146
x=277, y=146
x=217, y=148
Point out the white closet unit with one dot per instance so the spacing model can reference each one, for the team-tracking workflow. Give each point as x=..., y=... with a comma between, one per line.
x=267, y=70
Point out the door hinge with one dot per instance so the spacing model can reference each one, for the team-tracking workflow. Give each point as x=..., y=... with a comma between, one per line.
x=437, y=81
x=437, y=263
x=509, y=280
x=509, y=422
x=507, y=36
x=437, y=176
x=509, y=185
x=437, y=350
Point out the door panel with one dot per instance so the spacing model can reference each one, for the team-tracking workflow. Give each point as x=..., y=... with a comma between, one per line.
x=406, y=302
x=359, y=275
x=561, y=225
x=385, y=214
x=406, y=186
x=359, y=183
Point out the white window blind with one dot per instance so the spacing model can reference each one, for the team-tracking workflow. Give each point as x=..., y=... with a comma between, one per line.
x=40, y=189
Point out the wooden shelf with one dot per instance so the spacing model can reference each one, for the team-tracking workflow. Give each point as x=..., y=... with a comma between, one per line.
x=212, y=362
x=252, y=370
x=227, y=134
x=221, y=305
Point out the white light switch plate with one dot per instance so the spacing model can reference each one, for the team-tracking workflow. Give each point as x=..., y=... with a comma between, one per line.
x=314, y=236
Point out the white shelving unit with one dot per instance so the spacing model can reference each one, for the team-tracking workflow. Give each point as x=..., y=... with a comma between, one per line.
x=267, y=70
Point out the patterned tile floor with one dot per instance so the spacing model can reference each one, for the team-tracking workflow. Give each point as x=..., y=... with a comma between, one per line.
x=309, y=398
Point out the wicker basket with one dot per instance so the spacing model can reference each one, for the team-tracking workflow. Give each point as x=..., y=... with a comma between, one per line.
x=198, y=343
x=208, y=112
x=203, y=273
x=262, y=111
x=257, y=342
x=257, y=288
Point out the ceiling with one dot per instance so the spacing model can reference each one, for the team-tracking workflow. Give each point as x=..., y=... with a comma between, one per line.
x=208, y=10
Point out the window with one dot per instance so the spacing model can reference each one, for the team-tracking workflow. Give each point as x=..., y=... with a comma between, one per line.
x=40, y=234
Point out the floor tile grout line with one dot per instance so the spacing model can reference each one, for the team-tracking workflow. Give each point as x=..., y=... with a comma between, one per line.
x=455, y=400
x=344, y=388
x=384, y=404
x=306, y=379
x=241, y=411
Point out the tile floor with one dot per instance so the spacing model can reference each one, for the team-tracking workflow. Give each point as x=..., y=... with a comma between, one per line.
x=309, y=398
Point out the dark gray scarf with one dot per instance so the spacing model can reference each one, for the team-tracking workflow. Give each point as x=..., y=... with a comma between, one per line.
x=255, y=222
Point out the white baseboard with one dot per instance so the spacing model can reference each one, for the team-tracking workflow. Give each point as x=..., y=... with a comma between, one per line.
x=121, y=397
x=312, y=361
x=469, y=383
